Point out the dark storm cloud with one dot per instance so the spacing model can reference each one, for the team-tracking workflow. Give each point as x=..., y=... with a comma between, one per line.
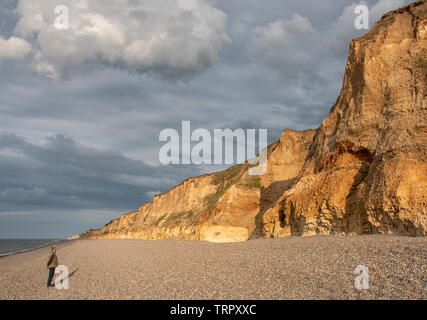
x=60, y=173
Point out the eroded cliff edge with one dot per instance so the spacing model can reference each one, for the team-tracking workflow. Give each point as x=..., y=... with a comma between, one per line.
x=366, y=171
x=363, y=170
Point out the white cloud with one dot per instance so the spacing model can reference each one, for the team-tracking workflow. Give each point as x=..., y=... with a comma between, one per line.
x=293, y=46
x=277, y=44
x=13, y=48
x=172, y=38
x=343, y=30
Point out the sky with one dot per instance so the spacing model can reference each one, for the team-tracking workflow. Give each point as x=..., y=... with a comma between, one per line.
x=81, y=109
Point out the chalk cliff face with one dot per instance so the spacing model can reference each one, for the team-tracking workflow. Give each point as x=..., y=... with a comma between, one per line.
x=363, y=170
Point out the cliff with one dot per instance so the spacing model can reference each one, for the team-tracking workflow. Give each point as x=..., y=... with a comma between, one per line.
x=223, y=206
x=363, y=170
x=366, y=170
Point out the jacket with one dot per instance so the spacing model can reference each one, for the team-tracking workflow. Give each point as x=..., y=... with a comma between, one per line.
x=53, y=261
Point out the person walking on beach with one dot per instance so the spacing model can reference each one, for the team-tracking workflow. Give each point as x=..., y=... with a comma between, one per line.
x=52, y=263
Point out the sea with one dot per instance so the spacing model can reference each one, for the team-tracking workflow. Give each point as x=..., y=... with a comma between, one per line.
x=12, y=246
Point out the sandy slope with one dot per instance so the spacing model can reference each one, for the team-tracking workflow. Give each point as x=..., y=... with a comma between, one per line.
x=288, y=268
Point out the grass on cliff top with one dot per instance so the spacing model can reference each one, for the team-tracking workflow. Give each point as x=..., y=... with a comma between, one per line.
x=158, y=220
x=168, y=219
x=228, y=175
x=225, y=180
x=255, y=183
x=179, y=216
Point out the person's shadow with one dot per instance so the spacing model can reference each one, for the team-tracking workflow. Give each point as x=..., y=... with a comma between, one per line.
x=69, y=275
x=72, y=273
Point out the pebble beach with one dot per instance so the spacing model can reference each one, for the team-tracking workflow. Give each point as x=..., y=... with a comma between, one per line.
x=316, y=267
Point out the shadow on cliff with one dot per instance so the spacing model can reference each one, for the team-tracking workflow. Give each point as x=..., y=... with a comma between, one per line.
x=269, y=196
x=356, y=219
